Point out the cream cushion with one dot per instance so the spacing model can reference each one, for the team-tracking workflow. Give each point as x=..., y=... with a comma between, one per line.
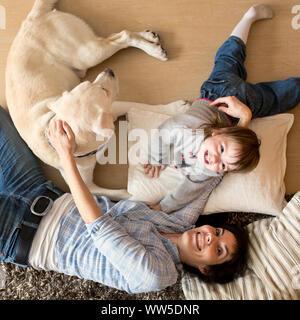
x=140, y=186
x=274, y=263
x=260, y=191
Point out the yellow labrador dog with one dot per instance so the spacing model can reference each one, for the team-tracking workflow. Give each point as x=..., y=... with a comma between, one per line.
x=50, y=54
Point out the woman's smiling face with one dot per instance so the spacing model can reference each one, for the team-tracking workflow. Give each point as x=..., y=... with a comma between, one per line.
x=219, y=153
x=206, y=246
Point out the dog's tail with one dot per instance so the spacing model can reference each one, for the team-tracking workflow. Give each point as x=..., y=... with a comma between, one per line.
x=41, y=7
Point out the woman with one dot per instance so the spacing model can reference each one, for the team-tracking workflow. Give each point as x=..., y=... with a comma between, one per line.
x=125, y=245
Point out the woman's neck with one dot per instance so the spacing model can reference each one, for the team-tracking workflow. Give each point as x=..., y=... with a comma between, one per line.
x=174, y=237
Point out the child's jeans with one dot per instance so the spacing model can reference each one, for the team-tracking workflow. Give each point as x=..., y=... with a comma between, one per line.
x=21, y=181
x=229, y=79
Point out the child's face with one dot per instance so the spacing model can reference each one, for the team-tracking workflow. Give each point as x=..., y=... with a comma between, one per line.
x=218, y=152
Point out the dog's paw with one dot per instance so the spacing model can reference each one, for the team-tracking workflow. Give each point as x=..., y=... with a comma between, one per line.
x=162, y=54
x=112, y=194
x=183, y=104
x=154, y=47
x=157, y=51
x=150, y=36
x=121, y=194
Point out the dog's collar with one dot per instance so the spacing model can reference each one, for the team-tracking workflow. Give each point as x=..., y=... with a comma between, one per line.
x=91, y=153
x=75, y=157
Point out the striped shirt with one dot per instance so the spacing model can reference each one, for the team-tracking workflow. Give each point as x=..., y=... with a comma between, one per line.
x=124, y=248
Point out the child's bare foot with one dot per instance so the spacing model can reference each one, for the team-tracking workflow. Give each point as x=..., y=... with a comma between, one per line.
x=259, y=11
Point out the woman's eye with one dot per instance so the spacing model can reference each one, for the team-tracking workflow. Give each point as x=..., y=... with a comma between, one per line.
x=218, y=232
x=219, y=251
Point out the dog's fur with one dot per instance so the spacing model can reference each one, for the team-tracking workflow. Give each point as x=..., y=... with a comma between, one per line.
x=49, y=55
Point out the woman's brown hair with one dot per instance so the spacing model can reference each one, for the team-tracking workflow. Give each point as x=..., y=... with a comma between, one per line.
x=227, y=271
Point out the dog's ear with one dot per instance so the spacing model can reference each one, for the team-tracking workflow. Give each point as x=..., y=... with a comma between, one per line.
x=106, y=120
x=54, y=105
x=104, y=126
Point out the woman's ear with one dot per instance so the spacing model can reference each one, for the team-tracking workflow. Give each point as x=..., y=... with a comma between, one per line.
x=204, y=270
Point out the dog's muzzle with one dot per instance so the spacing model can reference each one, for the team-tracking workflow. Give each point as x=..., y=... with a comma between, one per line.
x=110, y=72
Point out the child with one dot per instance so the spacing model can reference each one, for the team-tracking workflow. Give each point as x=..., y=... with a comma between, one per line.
x=218, y=147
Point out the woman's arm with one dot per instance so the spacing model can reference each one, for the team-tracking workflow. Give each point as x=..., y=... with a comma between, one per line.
x=144, y=268
x=235, y=108
x=62, y=138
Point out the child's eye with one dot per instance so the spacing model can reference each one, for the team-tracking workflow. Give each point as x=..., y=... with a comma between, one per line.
x=223, y=166
x=222, y=149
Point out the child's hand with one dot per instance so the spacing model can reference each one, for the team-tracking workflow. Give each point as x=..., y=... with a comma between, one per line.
x=153, y=170
x=62, y=138
x=155, y=207
x=235, y=108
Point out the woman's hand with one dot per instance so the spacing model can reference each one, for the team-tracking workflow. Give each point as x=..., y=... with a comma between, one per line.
x=235, y=108
x=62, y=138
x=153, y=170
x=155, y=207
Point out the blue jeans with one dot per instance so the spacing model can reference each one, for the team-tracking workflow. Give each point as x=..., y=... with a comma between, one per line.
x=21, y=181
x=228, y=78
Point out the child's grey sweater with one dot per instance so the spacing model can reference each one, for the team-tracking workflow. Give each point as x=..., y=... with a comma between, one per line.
x=176, y=143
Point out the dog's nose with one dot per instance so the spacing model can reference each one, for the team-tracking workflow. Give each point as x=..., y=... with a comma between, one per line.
x=110, y=72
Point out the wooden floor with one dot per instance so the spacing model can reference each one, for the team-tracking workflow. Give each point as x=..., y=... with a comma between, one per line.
x=192, y=31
